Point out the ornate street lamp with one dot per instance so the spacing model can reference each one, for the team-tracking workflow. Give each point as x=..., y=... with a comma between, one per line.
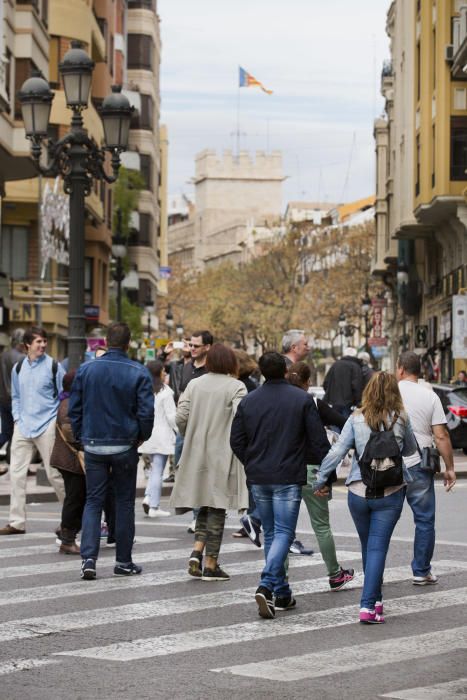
x=169, y=320
x=179, y=330
x=119, y=252
x=402, y=286
x=77, y=159
x=366, y=308
x=149, y=308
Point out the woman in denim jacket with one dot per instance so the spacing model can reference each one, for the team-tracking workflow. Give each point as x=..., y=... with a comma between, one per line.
x=374, y=518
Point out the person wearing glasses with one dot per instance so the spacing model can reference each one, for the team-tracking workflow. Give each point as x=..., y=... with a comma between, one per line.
x=199, y=345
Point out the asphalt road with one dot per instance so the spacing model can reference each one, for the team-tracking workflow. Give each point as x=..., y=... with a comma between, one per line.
x=163, y=635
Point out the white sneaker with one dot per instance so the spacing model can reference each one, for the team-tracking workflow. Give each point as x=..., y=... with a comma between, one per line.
x=145, y=504
x=428, y=580
x=157, y=513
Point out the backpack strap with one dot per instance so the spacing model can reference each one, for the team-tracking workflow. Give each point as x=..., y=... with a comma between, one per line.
x=54, y=373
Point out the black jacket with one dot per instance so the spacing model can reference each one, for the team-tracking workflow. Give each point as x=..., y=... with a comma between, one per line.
x=276, y=432
x=344, y=383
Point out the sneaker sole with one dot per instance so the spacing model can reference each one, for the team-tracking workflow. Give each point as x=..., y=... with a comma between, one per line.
x=372, y=622
x=88, y=575
x=194, y=568
x=215, y=578
x=132, y=573
x=289, y=607
x=341, y=585
x=425, y=583
x=264, y=609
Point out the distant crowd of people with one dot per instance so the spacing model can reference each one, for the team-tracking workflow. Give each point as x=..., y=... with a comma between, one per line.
x=239, y=435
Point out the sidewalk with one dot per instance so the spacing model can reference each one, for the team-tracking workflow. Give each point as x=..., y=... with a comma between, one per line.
x=42, y=494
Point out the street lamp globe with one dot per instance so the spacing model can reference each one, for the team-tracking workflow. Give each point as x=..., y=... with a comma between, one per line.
x=116, y=116
x=180, y=330
x=402, y=275
x=76, y=71
x=366, y=305
x=36, y=98
x=169, y=318
x=342, y=322
x=118, y=247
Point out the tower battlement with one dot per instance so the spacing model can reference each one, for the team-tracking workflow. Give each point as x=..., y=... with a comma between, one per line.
x=245, y=166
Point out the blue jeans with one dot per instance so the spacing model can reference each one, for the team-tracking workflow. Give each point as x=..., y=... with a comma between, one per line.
x=154, y=487
x=98, y=472
x=253, y=511
x=278, y=506
x=375, y=520
x=178, y=449
x=421, y=499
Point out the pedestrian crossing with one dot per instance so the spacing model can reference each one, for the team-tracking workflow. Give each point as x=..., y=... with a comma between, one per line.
x=114, y=623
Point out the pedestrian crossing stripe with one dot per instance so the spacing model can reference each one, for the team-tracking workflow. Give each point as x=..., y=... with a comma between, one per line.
x=23, y=665
x=30, y=550
x=31, y=627
x=355, y=657
x=452, y=690
x=105, y=563
x=182, y=642
x=179, y=575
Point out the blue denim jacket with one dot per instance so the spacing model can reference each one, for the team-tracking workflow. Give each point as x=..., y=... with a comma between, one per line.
x=355, y=434
x=112, y=401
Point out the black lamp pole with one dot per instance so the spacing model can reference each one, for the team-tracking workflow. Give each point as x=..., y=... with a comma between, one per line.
x=78, y=160
x=119, y=252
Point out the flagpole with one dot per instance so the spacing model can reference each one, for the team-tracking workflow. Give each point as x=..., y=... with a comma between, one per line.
x=238, y=122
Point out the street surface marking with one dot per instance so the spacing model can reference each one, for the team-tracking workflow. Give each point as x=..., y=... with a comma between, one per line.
x=395, y=538
x=143, y=558
x=23, y=665
x=452, y=690
x=204, y=638
x=53, y=547
x=52, y=624
x=355, y=657
x=104, y=585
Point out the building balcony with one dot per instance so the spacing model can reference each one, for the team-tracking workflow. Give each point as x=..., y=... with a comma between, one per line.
x=456, y=53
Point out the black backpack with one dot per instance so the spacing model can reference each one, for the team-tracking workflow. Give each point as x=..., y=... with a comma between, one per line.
x=54, y=373
x=381, y=462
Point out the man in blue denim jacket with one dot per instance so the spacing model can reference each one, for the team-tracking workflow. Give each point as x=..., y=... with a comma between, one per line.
x=112, y=411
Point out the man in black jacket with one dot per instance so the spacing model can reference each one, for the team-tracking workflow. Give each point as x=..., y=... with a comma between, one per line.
x=343, y=383
x=276, y=432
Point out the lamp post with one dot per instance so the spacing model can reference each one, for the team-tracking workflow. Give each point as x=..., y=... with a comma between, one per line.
x=366, y=308
x=119, y=252
x=169, y=320
x=179, y=330
x=149, y=307
x=77, y=159
x=402, y=285
x=342, y=323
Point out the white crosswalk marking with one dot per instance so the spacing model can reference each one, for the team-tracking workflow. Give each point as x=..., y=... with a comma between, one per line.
x=53, y=547
x=453, y=690
x=179, y=575
x=23, y=665
x=249, y=631
x=142, y=558
x=53, y=624
x=353, y=658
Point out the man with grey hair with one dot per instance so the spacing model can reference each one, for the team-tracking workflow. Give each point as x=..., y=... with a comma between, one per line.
x=294, y=346
x=367, y=369
x=8, y=359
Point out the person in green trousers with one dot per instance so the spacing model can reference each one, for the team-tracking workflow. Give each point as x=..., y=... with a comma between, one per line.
x=299, y=374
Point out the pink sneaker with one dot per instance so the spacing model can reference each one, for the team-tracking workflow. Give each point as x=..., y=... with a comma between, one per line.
x=379, y=607
x=370, y=617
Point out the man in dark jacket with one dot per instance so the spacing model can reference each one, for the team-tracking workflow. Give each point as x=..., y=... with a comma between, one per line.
x=8, y=359
x=112, y=411
x=343, y=383
x=276, y=432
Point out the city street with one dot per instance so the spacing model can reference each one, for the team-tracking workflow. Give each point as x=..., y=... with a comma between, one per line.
x=164, y=635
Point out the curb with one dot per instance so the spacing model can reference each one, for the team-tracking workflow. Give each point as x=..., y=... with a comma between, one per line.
x=50, y=497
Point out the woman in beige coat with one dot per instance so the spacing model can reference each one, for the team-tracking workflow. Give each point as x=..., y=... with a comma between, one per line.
x=209, y=476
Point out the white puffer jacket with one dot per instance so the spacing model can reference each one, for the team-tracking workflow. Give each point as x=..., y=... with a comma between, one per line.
x=162, y=440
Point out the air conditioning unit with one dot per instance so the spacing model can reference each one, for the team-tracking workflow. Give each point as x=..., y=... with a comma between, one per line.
x=449, y=53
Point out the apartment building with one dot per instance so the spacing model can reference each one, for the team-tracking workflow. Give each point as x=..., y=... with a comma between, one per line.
x=421, y=147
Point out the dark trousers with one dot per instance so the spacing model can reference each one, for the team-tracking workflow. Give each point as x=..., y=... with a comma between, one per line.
x=7, y=426
x=73, y=505
x=209, y=529
x=121, y=468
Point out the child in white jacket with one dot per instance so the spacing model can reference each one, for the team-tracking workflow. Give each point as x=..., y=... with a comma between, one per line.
x=161, y=444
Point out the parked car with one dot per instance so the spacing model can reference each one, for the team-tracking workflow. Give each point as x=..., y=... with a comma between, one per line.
x=454, y=400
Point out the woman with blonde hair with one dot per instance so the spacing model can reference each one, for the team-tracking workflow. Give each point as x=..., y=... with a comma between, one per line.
x=375, y=511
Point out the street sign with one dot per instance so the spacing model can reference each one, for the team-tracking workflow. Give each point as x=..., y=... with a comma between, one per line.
x=421, y=336
x=150, y=354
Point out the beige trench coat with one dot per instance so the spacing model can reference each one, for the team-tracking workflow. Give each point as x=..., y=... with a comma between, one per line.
x=209, y=474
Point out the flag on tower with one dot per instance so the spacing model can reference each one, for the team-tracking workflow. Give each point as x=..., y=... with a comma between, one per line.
x=247, y=80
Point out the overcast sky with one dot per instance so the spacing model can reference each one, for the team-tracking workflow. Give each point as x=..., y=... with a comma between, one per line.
x=322, y=59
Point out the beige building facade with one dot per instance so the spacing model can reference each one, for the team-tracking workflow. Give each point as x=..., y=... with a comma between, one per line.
x=238, y=200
